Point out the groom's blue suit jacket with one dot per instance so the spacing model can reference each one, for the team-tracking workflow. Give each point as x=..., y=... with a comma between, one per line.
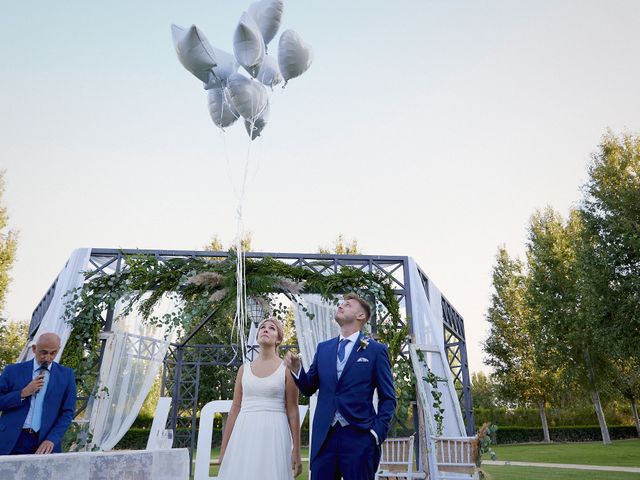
x=58, y=408
x=366, y=369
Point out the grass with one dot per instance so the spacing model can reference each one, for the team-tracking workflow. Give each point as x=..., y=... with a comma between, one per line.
x=541, y=473
x=621, y=453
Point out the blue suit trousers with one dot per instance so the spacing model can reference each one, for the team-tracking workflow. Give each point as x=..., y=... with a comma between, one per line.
x=348, y=453
x=27, y=444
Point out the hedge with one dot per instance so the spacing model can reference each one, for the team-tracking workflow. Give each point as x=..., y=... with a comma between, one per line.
x=136, y=438
x=557, y=417
x=586, y=433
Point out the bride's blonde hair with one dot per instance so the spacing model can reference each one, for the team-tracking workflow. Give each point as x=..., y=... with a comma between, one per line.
x=279, y=329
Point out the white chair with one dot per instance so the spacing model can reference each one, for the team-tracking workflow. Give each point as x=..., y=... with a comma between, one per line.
x=159, y=423
x=205, y=435
x=396, y=459
x=456, y=457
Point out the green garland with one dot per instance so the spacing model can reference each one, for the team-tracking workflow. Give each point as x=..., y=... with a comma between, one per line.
x=438, y=410
x=433, y=380
x=208, y=285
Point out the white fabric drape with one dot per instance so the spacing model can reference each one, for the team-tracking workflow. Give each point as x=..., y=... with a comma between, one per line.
x=133, y=356
x=312, y=331
x=130, y=365
x=69, y=278
x=428, y=330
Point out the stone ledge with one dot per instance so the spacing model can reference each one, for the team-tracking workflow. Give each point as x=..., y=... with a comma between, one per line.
x=170, y=464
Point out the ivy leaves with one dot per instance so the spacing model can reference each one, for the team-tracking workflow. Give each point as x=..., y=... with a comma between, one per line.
x=146, y=279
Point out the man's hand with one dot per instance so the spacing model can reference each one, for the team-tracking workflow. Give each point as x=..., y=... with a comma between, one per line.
x=292, y=361
x=45, y=448
x=296, y=463
x=33, y=386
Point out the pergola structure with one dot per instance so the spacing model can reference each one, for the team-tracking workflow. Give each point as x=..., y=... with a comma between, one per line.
x=185, y=359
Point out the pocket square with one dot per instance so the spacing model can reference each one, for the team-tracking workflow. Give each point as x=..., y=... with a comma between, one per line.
x=362, y=359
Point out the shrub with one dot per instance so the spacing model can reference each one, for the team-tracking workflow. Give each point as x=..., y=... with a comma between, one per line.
x=529, y=417
x=587, y=433
x=136, y=438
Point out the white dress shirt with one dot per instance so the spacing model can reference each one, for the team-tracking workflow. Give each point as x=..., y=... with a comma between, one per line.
x=37, y=399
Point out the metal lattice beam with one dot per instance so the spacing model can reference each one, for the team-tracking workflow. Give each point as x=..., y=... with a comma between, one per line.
x=183, y=362
x=456, y=349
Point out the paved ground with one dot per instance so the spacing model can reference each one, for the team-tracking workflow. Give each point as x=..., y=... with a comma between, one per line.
x=564, y=465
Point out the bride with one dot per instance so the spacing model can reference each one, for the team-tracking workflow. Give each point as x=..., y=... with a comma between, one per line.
x=264, y=417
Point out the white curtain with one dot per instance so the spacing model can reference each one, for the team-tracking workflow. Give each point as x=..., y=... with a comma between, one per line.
x=69, y=278
x=130, y=365
x=311, y=331
x=426, y=318
x=133, y=356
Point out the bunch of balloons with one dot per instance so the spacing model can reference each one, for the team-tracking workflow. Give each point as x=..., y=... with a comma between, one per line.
x=230, y=93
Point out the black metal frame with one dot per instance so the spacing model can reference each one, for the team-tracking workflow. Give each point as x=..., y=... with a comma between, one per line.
x=182, y=363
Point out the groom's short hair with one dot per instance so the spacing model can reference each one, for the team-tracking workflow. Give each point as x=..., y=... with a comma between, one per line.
x=363, y=303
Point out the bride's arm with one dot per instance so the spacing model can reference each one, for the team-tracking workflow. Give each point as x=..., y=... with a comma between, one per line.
x=233, y=412
x=293, y=414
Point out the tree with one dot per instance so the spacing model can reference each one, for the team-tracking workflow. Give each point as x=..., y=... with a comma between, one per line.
x=216, y=245
x=8, y=245
x=521, y=374
x=342, y=247
x=562, y=329
x=484, y=391
x=610, y=258
x=626, y=380
x=14, y=337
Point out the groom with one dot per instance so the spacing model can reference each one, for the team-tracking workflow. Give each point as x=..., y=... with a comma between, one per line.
x=347, y=431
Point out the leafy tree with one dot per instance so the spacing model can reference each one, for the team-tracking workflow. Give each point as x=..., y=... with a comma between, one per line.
x=626, y=380
x=216, y=245
x=8, y=245
x=562, y=329
x=14, y=337
x=522, y=375
x=341, y=246
x=484, y=391
x=610, y=258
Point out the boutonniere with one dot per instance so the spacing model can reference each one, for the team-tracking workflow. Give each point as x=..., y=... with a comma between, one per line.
x=363, y=344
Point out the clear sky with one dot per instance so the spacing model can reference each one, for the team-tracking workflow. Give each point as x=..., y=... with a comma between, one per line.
x=423, y=128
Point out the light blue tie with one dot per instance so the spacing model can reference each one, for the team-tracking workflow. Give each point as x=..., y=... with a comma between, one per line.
x=38, y=401
x=341, y=348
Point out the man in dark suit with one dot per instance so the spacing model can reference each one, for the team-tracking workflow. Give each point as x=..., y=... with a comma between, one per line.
x=347, y=431
x=37, y=401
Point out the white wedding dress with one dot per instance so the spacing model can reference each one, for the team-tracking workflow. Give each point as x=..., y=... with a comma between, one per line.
x=260, y=443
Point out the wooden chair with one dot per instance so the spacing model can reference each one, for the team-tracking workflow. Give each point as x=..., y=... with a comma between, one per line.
x=456, y=456
x=396, y=460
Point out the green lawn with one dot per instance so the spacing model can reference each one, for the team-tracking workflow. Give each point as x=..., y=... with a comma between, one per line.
x=530, y=473
x=622, y=453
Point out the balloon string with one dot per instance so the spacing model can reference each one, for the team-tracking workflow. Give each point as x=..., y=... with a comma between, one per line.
x=240, y=320
x=225, y=153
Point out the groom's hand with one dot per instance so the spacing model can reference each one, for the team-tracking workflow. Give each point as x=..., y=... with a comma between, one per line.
x=292, y=361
